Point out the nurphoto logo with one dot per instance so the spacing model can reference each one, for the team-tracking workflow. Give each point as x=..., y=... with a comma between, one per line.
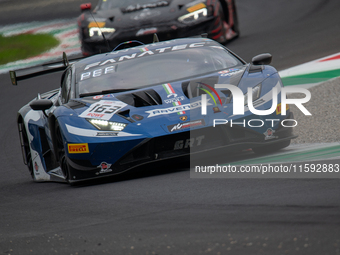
x=239, y=103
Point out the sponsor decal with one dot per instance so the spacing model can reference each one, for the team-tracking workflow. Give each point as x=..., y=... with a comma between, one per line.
x=185, y=125
x=103, y=110
x=107, y=134
x=171, y=92
x=109, y=96
x=188, y=143
x=110, y=69
x=103, y=96
x=96, y=24
x=175, y=109
x=36, y=167
x=104, y=168
x=278, y=108
x=74, y=148
x=173, y=100
x=137, y=7
x=196, y=7
x=145, y=31
x=183, y=118
x=98, y=72
x=229, y=72
x=137, y=117
x=269, y=134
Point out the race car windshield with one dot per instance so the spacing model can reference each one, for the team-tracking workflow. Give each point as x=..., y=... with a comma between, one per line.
x=131, y=5
x=136, y=72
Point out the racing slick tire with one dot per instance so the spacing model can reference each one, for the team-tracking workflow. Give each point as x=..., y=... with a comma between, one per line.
x=223, y=38
x=86, y=49
x=235, y=26
x=228, y=33
x=26, y=148
x=271, y=148
x=61, y=153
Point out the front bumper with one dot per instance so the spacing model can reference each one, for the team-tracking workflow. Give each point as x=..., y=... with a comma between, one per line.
x=173, y=146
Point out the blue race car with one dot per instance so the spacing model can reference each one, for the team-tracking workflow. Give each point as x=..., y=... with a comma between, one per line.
x=121, y=110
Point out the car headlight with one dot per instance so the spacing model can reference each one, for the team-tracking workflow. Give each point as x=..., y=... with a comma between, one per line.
x=256, y=94
x=98, y=28
x=105, y=125
x=97, y=31
x=195, y=12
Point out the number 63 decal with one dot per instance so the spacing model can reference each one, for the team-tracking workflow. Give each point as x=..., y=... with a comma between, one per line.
x=103, y=109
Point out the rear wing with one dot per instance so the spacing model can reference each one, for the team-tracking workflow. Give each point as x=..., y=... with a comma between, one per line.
x=31, y=72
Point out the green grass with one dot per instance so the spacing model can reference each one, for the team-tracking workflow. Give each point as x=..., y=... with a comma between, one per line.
x=24, y=46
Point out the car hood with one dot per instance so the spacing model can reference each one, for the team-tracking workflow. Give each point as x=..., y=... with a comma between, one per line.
x=171, y=107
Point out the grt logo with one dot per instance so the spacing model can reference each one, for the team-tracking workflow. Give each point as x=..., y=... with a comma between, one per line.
x=189, y=143
x=238, y=102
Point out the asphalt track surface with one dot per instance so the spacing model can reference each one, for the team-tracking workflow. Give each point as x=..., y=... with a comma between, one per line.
x=162, y=210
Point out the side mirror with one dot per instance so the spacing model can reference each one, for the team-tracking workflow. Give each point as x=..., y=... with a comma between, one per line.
x=86, y=6
x=262, y=59
x=41, y=105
